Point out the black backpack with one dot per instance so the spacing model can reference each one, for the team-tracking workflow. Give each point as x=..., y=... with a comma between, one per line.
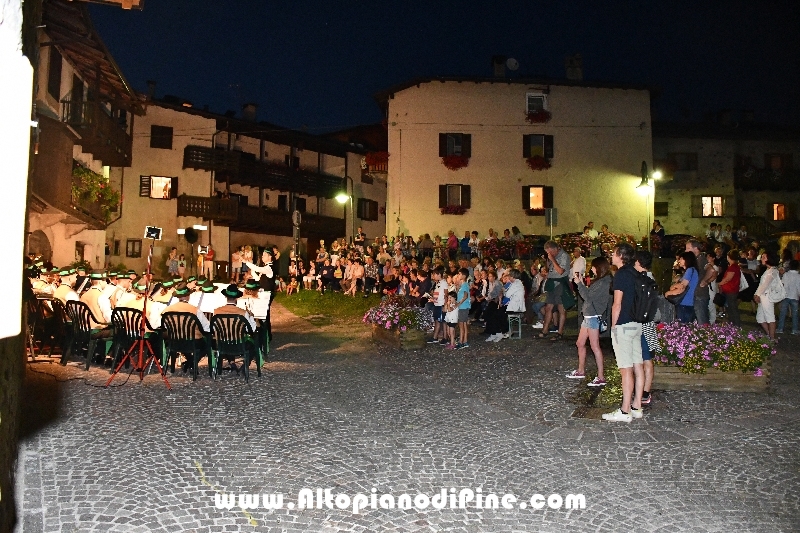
x=645, y=299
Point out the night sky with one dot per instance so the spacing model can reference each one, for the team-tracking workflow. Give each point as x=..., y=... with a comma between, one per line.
x=318, y=64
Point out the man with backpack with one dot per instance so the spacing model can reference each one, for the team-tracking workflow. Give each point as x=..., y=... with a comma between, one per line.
x=626, y=335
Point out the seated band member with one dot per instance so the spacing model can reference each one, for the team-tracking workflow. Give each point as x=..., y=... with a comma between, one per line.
x=64, y=290
x=92, y=297
x=232, y=294
x=182, y=305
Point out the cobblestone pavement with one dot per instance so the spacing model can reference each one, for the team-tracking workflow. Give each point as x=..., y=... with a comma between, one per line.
x=334, y=410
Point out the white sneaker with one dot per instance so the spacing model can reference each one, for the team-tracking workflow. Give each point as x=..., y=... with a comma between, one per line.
x=636, y=413
x=538, y=325
x=498, y=337
x=490, y=338
x=617, y=416
x=506, y=335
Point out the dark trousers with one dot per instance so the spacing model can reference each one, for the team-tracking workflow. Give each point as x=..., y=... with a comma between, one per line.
x=732, y=308
x=496, y=320
x=369, y=284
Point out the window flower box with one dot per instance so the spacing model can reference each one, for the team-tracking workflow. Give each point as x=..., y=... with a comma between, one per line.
x=455, y=162
x=537, y=163
x=453, y=210
x=541, y=116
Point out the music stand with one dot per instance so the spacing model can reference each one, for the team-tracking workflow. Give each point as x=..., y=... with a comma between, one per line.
x=153, y=235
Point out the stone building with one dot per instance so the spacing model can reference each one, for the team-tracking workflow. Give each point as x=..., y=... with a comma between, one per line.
x=241, y=180
x=728, y=172
x=85, y=110
x=519, y=146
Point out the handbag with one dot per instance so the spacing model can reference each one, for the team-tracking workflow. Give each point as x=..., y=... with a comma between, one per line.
x=676, y=299
x=719, y=299
x=777, y=291
x=743, y=285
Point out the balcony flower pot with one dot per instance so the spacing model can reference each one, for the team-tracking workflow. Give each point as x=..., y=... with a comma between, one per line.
x=453, y=210
x=538, y=117
x=455, y=162
x=537, y=163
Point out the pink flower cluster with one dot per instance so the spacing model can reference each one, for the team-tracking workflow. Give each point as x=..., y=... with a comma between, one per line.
x=399, y=312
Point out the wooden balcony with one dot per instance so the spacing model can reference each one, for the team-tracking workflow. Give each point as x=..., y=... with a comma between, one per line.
x=227, y=212
x=244, y=169
x=765, y=179
x=102, y=135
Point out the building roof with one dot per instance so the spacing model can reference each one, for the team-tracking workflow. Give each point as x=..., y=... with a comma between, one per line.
x=384, y=96
x=265, y=130
x=739, y=130
x=70, y=29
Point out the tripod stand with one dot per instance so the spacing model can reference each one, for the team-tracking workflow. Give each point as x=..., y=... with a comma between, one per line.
x=142, y=342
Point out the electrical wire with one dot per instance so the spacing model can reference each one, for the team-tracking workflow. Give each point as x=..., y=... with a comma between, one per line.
x=85, y=380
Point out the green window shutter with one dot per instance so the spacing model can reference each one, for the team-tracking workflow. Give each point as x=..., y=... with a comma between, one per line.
x=466, y=196
x=144, y=186
x=442, y=195
x=466, y=145
x=442, y=144
x=548, y=198
x=526, y=147
x=697, y=206
x=173, y=190
x=526, y=197
x=548, y=147
x=728, y=206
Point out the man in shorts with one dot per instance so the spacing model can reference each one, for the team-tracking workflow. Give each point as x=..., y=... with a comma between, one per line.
x=626, y=336
x=558, y=270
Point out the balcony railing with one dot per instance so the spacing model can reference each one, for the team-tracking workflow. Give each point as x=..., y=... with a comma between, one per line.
x=227, y=212
x=245, y=169
x=766, y=179
x=101, y=134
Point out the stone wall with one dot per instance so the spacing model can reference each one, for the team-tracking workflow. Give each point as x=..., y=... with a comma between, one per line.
x=11, y=375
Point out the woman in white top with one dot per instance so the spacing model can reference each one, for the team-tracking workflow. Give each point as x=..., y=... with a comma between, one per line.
x=765, y=296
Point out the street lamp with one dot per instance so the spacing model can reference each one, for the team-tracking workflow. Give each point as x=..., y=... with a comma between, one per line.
x=645, y=187
x=342, y=198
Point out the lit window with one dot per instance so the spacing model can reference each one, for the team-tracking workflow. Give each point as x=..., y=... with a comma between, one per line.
x=712, y=206
x=778, y=212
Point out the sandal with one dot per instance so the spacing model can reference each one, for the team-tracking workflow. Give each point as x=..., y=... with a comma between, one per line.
x=556, y=337
x=542, y=335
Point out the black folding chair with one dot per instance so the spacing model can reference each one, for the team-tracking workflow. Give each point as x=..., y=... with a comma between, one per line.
x=233, y=336
x=83, y=335
x=127, y=334
x=184, y=334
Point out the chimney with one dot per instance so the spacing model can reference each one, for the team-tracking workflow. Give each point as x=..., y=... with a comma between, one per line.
x=748, y=116
x=151, y=89
x=574, y=67
x=249, y=112
x=499, y=66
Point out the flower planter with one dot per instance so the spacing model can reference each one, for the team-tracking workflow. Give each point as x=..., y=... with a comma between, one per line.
x=670, y=377
x=410, y=339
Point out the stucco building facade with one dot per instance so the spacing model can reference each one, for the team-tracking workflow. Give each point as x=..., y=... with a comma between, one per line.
x=594, y=142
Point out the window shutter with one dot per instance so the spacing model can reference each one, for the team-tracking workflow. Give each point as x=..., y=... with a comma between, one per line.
x=547, y=199
x=442, y=144
x=697, y=206
x=526, y=148
x=374, y=210
x=173, y=190
x=548, y=147
x=526, y=195
x=360, y=209
x=144, y=186
x=770, y=215
x=466, y=196
x=442, y=196
x=466, y=145
x=728, y=206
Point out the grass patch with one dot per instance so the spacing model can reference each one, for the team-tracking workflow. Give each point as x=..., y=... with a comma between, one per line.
x=328, y=308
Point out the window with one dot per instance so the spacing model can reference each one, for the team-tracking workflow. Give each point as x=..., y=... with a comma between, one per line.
x=458, y=195
x=661, y=209
x=161, y=137
x=455, y=144
x=682, y=161
x=778, y=211
x=116, y=247
x=300, y=204
x=283, y=202
x=537, y=198
x=777, y=162
x=712, y=206
x=158, y=187
x=54, y=74
x=133, y=248
x=367, y=209
x=535, y=102
x=541, y=145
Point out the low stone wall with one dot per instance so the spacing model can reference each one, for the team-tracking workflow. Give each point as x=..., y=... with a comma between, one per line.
x=411, y=339
x=669, y=377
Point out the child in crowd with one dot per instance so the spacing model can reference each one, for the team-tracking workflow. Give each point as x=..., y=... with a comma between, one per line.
x=438, y=299
x=182, y=265
x=463, y=303
x=451, y=320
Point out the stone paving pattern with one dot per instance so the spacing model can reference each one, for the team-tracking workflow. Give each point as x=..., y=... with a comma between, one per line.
x=335, y=410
